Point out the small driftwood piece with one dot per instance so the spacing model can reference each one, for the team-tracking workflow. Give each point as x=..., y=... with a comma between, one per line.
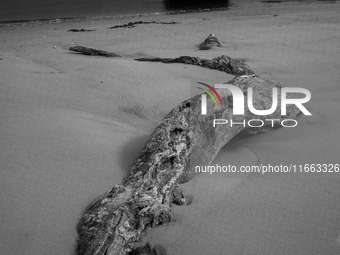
x=210, y=42
x=222, y=63
x=133, y=24
x=91, y=51
x=114, y=224
x=80, y=30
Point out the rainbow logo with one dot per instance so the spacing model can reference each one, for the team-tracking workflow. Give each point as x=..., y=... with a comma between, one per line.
x=212, y=89
x=204, y=97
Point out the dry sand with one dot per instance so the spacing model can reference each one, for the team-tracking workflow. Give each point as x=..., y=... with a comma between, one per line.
x=71, y=126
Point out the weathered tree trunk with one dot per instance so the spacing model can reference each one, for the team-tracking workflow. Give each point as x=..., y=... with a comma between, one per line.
x=114, y=223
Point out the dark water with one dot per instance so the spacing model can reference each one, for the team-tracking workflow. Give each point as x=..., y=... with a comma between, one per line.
x=14, y=10
x=50, y=9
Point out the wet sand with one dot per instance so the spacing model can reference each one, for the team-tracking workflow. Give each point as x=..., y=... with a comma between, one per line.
x=71, y=126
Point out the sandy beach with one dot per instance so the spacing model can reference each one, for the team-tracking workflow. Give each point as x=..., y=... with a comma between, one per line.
x=71, y=126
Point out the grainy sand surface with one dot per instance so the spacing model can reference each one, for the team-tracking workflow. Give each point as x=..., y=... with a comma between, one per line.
x=71, y=126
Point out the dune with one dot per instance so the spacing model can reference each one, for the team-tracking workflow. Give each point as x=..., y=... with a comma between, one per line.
x=72, y=125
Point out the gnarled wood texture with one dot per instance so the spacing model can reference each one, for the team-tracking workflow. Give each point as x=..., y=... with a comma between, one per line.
x=115, y=222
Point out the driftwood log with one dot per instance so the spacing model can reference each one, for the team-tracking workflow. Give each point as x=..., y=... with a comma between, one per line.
x=90, y=51
x=222, y=63
x=114, y=224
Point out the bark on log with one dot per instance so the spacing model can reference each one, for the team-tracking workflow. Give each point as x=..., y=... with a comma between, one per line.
x=115, y=222
x=222, y=63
